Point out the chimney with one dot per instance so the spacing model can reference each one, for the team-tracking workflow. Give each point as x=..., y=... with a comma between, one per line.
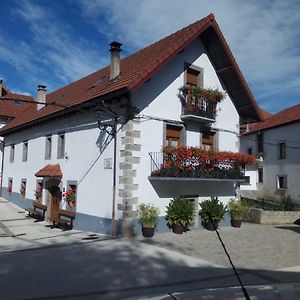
x=1, y=87
x=115, y=49
x=41, y=96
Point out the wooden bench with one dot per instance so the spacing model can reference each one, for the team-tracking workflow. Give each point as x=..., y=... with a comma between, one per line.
x=65, y=219
x=38, y=210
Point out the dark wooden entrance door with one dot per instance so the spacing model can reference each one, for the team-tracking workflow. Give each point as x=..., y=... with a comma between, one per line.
x=55, y=195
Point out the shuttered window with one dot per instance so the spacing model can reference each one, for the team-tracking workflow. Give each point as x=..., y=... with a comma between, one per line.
x=173, y=136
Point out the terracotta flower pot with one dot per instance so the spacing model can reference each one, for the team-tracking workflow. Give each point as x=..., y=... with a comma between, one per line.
x=236, y=223
x=148, y=232
x=178, y=228
x=210, y=226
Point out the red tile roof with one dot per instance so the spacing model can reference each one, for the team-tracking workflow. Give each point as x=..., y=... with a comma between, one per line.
x=49, y=171
x=136, y=69
x=265, y=114
x=284, y=117
x=10, y=108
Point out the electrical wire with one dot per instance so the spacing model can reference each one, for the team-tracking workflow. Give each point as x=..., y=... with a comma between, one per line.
x=231, y=263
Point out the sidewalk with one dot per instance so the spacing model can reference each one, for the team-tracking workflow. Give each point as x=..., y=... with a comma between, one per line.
x=19, y=232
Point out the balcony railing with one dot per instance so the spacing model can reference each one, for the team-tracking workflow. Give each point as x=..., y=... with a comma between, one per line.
x=200, y=108
x=199, y=104
x=185, y=162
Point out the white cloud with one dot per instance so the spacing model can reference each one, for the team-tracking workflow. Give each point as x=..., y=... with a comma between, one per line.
x=262, y=35
x=53, y=56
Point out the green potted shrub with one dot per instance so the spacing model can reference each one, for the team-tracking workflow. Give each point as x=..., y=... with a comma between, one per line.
x=237, y=210
x=180, y=214
x=147, y=214
x=211, y=212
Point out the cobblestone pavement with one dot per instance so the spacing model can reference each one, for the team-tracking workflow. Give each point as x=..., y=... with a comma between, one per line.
x=253, y=246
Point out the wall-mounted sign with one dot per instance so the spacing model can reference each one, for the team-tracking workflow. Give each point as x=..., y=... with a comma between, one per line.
x=107, y=163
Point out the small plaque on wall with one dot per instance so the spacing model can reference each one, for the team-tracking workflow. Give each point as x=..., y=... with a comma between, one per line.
x=107, y=163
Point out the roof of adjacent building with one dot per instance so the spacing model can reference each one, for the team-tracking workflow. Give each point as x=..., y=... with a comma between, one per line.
x=13, y=108
x=50, y=171
x=139, y=67
x=284, y=117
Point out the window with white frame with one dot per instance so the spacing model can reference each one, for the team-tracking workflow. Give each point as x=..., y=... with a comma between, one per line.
x=282, y=182
x=48, y=147
x=61, y=145
x=12, y=153
x=25, y=151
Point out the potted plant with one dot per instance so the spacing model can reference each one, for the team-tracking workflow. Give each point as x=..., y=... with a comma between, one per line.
x=237, y=210
x=212, y=212
x=147, y=214
x=70, y=197
x=179, y=215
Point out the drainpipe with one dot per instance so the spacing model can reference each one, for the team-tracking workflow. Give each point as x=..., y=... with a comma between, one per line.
x=2, y=168
x=113, y=224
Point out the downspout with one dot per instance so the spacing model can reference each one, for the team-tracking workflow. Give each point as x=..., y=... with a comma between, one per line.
x=113, y=216
x=2, y=168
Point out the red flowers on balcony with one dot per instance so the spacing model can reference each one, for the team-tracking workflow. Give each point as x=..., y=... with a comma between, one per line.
x=195, y=162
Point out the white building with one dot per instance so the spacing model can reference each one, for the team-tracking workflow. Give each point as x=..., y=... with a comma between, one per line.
x=59, y=146
x=276, y=145
x=11, y=105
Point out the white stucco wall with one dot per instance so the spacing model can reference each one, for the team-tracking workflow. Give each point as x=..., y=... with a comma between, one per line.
x=81, y=149
x=163, y=88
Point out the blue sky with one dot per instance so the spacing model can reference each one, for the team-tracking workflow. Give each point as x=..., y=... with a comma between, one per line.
x=56, y=42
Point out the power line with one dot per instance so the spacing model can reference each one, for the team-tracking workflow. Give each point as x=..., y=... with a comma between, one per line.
x=34, y=102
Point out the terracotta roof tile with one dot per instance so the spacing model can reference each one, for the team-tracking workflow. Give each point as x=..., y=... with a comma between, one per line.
x=136, y=69
x=284, y=117
x=10, y=108
x=49, y=171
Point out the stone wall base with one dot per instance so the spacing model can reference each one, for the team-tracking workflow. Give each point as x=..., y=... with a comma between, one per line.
x=259, y=216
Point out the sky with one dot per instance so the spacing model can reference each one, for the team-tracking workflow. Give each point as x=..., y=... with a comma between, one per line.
x=55, y=42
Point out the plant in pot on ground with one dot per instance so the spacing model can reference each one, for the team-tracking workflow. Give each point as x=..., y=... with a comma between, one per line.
x=180, y=214
x=237, y=210
x=211, y=212
x=147, y=214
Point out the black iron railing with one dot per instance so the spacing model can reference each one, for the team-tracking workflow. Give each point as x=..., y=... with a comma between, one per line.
x=168, y=165
x=199, y=106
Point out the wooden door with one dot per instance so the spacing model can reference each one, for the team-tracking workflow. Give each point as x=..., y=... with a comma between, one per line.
x=55, y=195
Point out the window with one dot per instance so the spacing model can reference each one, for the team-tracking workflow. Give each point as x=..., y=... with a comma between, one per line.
x=10, y=186
x=61, y=146
x=173, y=135
x=193, y=75
x=260, y=172
x=48, y=147
x=71, y=195
x=249, y=151
x=246, y=180
x=282, y=150
x=260, y=142
x=282, y=182
x=25, y=150
x=38, y=193
x=23, y=188
x=12, y=153
x=208, y=140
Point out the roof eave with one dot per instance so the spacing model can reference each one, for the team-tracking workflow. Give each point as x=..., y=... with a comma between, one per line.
x=68, y=110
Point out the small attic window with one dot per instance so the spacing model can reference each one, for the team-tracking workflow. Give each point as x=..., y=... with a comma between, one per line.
x=17, y=101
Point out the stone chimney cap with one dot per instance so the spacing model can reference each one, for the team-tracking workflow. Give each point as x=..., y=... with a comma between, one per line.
x=42, y=87
x=115, y=46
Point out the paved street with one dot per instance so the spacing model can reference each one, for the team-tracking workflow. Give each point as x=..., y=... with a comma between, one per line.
x=252, y=246
x=42, y=263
